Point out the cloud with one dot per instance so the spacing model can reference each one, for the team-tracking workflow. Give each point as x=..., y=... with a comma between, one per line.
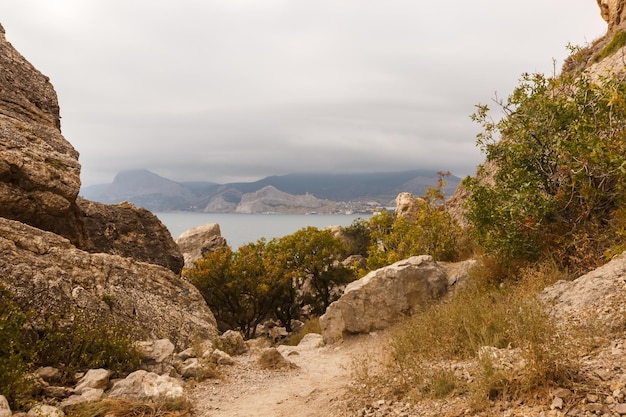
x=240, y=89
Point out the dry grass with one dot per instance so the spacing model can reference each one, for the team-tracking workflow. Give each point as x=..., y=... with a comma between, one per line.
x=127, y=408
x=437, y=353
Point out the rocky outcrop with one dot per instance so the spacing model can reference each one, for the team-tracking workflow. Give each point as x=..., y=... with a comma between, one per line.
x=613, y=12
x=125, y=230
x=47, y=273
x=197, y=241
x=384, y=296
x=407, y=204
x=270, y=200
x=39, y=169
x=40, y=175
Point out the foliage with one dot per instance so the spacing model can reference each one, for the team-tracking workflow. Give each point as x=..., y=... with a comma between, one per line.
x=358, y=237
x=561, y=170
x=86, y=343
x=429, y=229
x=17, y=352
x=238, y=286
x=164, y=407
x=312, y=259
x=272, y=279
x=83, y=344
x=617, y=42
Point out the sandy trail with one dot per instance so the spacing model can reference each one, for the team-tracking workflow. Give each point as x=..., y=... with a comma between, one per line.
x=315, y=388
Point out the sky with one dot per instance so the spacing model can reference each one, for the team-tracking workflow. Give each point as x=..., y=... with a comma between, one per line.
x=236, y=90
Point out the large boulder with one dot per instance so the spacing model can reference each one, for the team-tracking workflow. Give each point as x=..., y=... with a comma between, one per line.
x=47, y=273
x=126, y=230
x=197, y=241
x=383, y=296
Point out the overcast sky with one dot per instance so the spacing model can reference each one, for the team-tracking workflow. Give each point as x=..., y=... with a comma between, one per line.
x=234, y=90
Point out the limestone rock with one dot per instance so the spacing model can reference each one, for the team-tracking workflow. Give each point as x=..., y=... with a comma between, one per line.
x=195, y=242
x=597, y=292
x=383, y=296
x=232, y=343
x=94, y=378
x=125, y=230
x=613, y=12
x=5, y=410
x=43, y=410
x=407, y=204
x=272, y=359
x=39, y=169
x=142, y=386
x=47, y=273
x=49, y=374
x=156, y=355
x=88, y=395
x=221, y=358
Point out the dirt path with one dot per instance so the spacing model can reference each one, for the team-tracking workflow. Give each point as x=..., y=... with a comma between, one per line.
x=315, y=388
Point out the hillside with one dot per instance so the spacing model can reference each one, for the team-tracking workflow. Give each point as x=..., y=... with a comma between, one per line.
x=155, y=193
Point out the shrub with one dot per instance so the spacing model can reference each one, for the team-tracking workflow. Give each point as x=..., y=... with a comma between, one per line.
x=429, y=230
x=560, y=158
x=17, y=353
x=87, y=342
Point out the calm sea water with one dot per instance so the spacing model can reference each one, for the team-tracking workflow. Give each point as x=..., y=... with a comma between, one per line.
x=239, y=229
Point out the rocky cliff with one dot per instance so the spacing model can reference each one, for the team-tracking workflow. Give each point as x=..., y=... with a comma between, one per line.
x=271, y=200
x=60, y=253
x=613, y=11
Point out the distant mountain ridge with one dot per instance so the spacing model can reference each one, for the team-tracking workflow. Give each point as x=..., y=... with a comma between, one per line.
x=291, y=193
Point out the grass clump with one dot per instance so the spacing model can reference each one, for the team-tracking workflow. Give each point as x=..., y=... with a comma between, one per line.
x=165, y=407
x=616, y=43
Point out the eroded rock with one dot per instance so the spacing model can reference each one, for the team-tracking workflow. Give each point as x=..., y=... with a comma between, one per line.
x=383, y=296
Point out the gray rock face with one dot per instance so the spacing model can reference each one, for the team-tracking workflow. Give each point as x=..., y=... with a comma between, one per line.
x=47, y=273
x=195, y=242
x=382, y=297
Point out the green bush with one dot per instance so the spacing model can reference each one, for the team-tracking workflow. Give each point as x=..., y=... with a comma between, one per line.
x=83, y=344
x=429, y=230
x=560, y=177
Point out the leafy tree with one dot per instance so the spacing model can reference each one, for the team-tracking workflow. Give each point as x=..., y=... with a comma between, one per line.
x=560, y=158
x=237, y=286
x=427, y=230
x=358, y=237
x=311, y=258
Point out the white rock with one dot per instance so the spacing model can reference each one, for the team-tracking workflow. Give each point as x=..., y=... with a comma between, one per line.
x=94, y=378
x=5, y=410
x=142, y=385
x=42, y=410
x=382, y=297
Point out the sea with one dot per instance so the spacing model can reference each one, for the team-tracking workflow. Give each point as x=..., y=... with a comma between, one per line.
x=239, y=229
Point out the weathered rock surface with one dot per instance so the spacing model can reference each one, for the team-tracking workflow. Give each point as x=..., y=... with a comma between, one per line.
x=197, y=241
x=40, y=175
x=126, y=230
x=47, y=273
x=144, y=386
x=407, y=204
x=383, y=296
x=93, y=379
x=39, y=169
x=613, y=12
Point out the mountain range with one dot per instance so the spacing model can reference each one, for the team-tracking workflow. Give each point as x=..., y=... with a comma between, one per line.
x=292, y=193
